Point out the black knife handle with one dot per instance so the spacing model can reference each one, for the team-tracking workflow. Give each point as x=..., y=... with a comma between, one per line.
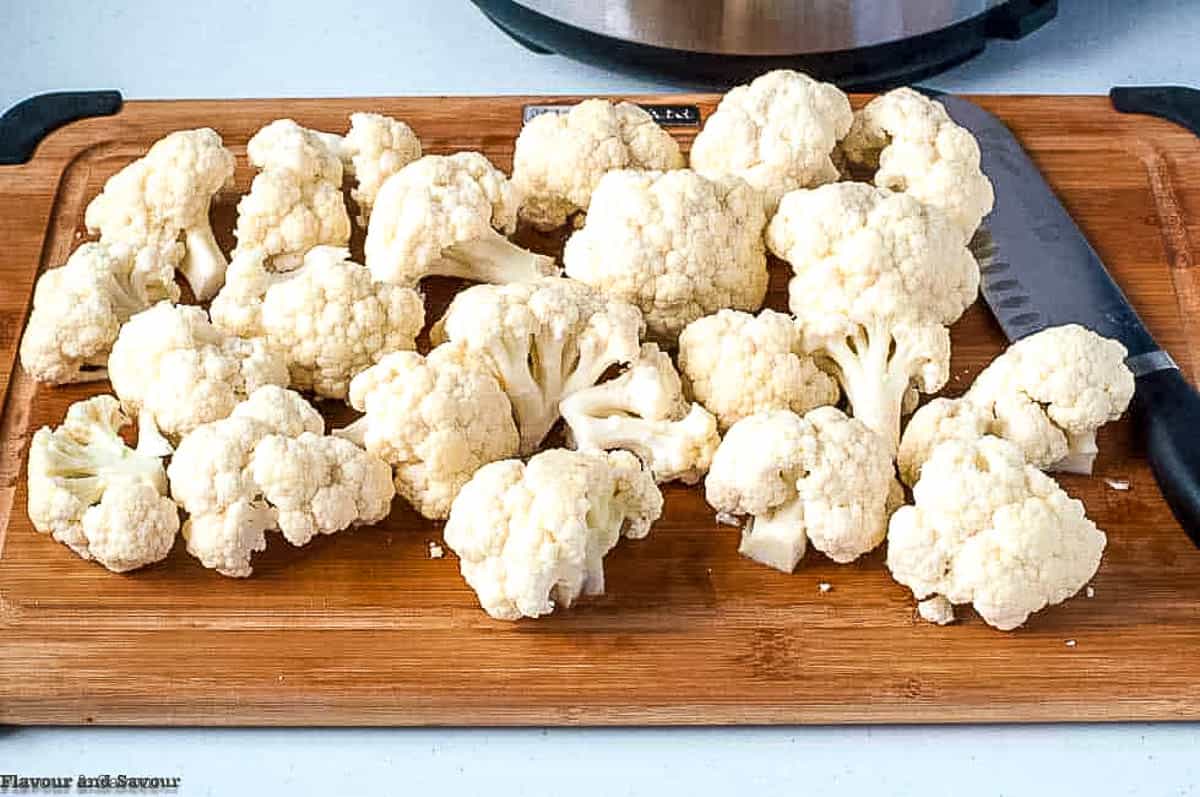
x=1178, y=104
x=1168, y=409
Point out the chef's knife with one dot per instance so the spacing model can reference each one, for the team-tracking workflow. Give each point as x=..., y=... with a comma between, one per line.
x=1039, y=271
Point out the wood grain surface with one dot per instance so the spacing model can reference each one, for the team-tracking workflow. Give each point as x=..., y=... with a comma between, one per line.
x=364, y=628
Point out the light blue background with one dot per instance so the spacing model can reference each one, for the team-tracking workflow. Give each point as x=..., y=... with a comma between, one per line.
x=225, y=48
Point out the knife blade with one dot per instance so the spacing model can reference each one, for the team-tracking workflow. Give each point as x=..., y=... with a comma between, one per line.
x=1038, y=270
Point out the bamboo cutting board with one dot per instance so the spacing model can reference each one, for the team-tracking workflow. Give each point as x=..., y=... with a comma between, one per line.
x=365, y=628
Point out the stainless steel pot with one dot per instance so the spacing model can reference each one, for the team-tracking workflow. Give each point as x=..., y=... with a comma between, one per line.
x=856, y=42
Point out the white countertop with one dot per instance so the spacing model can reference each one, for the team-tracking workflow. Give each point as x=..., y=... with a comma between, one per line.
x=228, y=48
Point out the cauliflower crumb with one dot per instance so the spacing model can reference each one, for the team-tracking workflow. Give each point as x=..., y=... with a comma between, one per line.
x=728, y=519
x=1091, y=591
x=936, y=610
x=825, y=586
x=1118, y=484
x=436, y=551
x=1070, y=643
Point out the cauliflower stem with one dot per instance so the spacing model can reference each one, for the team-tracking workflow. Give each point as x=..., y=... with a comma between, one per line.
x=537, y=372
x=875, y=369
x=777, y=538
x=644, y=411
x=93, y=465
x=1081, y=454
x=492, y=258
x=203, y=264
x=354, y=432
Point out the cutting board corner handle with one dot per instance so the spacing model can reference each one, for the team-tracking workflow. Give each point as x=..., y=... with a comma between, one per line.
x=1178, y=104
x=23, y=126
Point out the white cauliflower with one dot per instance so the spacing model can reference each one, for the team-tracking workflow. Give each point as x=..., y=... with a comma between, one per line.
x=778, y=133
x=559, y=158
x=158, y=205
x=79, y=307
x=328, y=319
x=1051, y=391
x=436, y=420
x=878, y=277
x=284, y=412
x=94, y=494
x=532, y=537
x=320, y=485
x=543, y=340
x=295, y=201
x=940, y=420
x=212, y=478
x=737, y=364
x=175, y=370
x=448, y=215
x=915, y=147
x=375, y=148
x=991, y=530
x=643, y=410
x=1048, y=393
x=821, y=477
x=675, y=244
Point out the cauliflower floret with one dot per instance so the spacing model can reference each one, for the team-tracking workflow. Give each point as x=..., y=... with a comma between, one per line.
x=175, y=370
x=991, y=530
x=915, y=147
x=295, y=201
x=79, y=307
x=448, y=215
x=329, y=319
x=237, y=309
x=559, y=158
x=940, y=420
x=1051, y=391
x=375, y=148
x=158, y=205
x=225, y=541
x=436, y=420
x=676, y=244
x=1048, y=393
x=737, y=364
x=878, y=277
x=777, y=133
x=821, y=477
x=320, y=485
x=134, y=525
x=284, y=412
x=543, y=340
x=94, y=494
x=212, y=478
x=531, y=537
x=643, y=410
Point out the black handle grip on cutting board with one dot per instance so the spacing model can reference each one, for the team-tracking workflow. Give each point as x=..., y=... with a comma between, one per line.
x=1168, y=410
x=1167, y=407
x=23, y=126
x=1178, y=104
